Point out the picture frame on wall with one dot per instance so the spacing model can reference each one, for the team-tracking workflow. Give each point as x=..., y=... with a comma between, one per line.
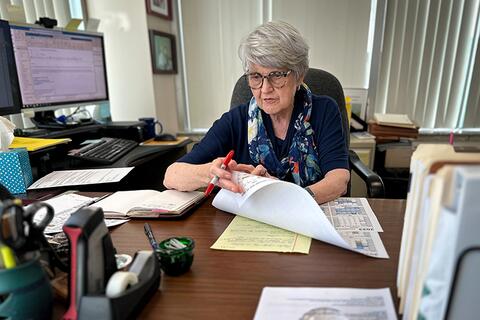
x=163, y=52
x=160, y=8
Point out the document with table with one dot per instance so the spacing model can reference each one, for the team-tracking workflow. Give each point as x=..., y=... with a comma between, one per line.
x=290, y=207
x=65, y=178
x=325, y=303
x=65, y=205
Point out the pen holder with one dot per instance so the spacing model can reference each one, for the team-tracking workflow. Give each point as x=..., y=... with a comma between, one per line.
x=175, y=255
x=26, y=292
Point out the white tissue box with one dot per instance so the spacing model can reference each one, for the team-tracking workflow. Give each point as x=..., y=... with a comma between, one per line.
x=15, y=170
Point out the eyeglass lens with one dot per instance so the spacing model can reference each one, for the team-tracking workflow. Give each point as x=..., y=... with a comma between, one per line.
x=277, y=79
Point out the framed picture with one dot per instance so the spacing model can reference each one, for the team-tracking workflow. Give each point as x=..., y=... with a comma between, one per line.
x=162, y=48
x=161, y=8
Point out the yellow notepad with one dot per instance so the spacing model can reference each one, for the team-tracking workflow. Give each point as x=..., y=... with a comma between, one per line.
x=33, y=144
x=244, y=234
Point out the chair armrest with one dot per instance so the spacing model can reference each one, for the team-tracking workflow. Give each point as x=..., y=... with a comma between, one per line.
x=375, y=186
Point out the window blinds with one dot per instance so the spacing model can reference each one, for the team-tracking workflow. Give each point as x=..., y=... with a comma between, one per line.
x=429, y=63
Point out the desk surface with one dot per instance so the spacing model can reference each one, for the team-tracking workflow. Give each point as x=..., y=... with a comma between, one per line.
x=227, y=284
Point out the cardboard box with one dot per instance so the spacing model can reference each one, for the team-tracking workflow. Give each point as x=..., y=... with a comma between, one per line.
x=398, y=157
x=15, y=170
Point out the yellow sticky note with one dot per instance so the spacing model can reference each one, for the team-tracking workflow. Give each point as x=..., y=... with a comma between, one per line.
x=73, y=24
x=244, y=234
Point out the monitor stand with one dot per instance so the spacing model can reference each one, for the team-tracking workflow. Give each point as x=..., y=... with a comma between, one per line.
x=47, y=120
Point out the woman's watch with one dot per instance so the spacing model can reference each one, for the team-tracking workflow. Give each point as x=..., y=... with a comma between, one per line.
x=310, y=192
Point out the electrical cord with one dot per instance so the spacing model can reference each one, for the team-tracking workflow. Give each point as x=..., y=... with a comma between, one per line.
x=65, y=118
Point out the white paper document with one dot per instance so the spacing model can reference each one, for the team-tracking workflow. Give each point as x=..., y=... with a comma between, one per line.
x=66, y=204
x=288, y=206
x=278, y=303
x=80, y=177
x=351, y=214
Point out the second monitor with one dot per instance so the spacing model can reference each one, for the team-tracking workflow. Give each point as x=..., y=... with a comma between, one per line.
x=58, y=68
x=9, y=92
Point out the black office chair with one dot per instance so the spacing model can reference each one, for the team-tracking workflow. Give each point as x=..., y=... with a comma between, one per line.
x=324, y=83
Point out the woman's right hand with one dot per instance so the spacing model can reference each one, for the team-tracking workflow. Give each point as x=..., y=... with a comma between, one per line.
x=225, y=175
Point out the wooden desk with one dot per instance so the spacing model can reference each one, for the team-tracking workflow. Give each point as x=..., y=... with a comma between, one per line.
x=227, y=284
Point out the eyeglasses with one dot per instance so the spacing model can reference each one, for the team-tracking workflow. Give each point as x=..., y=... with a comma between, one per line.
x=276, y=78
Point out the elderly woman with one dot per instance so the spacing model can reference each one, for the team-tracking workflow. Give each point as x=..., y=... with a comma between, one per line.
x=285, y=131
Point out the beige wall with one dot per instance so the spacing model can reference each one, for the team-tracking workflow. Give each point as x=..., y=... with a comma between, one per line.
x=134, y=90
x=213, y=30
x=164, y=84
x=336, y=31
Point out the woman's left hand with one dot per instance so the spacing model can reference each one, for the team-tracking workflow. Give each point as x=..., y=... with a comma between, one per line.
x=261, y=171
x=248, y=168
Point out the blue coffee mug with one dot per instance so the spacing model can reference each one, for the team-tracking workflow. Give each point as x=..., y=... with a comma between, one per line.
x=150, y=125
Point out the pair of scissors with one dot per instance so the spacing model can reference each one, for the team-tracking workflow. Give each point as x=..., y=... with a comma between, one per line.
x=22, y=229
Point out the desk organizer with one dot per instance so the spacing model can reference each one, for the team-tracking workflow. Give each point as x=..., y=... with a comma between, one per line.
x=26, y=292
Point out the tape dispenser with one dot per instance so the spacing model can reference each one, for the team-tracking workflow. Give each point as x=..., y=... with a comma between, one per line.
x=96, y=289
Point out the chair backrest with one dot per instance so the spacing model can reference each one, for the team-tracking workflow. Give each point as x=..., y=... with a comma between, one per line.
x=321, y=83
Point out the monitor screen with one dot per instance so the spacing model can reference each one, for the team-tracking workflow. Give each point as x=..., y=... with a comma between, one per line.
x=57, y=67
x=9, y=92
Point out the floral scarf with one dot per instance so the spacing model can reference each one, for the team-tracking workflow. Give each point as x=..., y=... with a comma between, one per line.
x=302, y=159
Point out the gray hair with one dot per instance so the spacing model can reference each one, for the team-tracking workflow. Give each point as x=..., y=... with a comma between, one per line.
x=275, y=44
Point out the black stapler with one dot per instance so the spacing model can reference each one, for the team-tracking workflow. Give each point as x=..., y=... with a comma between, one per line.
x=92, y=265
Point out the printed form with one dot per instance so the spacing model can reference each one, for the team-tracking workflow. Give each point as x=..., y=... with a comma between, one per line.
x=244, y=234
x=66, y=178
x=66, y=204
x=348, y=223
x=282, y=303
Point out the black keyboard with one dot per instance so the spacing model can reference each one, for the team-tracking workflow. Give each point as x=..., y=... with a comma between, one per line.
x=105, y=150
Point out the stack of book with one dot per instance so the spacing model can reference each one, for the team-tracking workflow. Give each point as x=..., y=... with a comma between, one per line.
x=441, y=221
x=392, y=127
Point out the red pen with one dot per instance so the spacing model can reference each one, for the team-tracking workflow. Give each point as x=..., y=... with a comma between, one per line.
x=214, y=180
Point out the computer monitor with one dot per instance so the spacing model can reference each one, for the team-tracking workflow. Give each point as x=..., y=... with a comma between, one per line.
x=9, y=91
x=57, y=69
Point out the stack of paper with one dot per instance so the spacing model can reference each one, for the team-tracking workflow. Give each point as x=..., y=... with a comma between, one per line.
x=394, y=120
x=431, y=189
x=392, y=127
x=33, y=144
x=67, y=204
x=347, y=223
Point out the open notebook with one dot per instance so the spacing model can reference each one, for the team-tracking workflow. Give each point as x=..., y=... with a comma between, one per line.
x=149, y=203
